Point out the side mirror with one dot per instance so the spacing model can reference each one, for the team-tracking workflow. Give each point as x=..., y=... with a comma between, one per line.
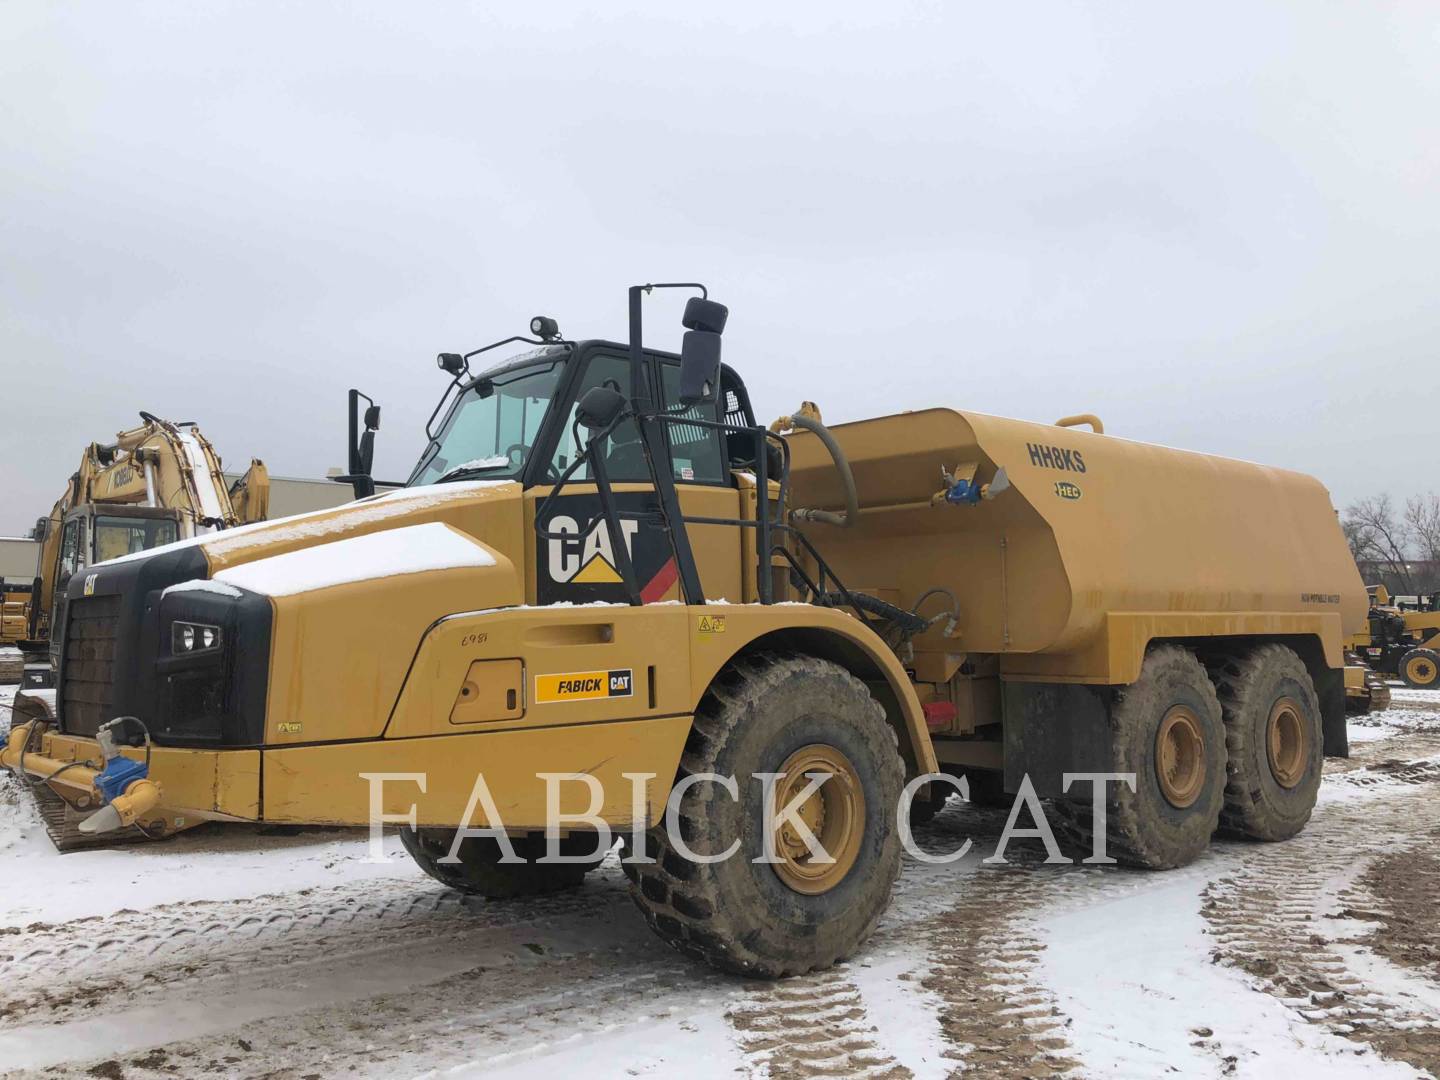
x=361, y=450
x=700, y=351
x=705, y=315
x=598, y=407
x=366, y=453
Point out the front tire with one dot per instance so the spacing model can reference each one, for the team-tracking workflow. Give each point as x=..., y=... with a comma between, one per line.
x=768, y=714
x=1420, y=668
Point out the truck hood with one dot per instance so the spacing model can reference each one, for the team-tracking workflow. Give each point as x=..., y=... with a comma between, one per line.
x=475, y=508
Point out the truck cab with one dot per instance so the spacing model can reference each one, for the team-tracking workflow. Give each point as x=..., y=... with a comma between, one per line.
x=517, y=422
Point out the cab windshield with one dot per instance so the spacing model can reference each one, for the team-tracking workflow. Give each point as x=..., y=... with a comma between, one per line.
x=117, y=536
x=492, y=427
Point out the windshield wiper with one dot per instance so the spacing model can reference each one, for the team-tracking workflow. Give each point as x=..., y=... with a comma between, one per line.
x=470, y=469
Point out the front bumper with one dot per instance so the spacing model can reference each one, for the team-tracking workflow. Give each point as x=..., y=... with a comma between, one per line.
x=189, y=786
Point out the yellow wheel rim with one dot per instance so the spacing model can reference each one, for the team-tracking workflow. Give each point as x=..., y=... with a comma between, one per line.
x=1420, y=670
x=835, y=814
x=1180, y=757
x=1288, y=743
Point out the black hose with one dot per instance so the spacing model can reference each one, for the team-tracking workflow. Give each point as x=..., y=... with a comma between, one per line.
x=120, y=720
x=847, y=478
x=907, y=622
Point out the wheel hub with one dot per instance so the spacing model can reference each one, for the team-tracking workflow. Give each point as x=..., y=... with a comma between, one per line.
x=1287, y=742
x=1421, y=670
x=1180, y=757
x=834, y=814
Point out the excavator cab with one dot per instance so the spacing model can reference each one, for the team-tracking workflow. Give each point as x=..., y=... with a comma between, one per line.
x=95, y=533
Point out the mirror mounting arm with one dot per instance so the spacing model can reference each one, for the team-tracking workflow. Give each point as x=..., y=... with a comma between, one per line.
x=657, y=452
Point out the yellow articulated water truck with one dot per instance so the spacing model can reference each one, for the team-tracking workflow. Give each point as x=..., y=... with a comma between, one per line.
x=734, y=645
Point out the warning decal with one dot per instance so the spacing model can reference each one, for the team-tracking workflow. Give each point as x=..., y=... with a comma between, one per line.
x=584, y=685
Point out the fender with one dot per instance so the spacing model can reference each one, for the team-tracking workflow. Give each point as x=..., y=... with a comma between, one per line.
x=824, y=632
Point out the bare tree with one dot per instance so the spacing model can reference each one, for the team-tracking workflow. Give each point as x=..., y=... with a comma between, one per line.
x=1422, y=526
x=1376, y=535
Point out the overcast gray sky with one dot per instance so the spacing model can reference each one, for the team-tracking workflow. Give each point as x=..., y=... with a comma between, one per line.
x=1214, y=225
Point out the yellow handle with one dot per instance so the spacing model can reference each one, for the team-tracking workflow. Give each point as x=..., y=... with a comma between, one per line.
x=1082, y=418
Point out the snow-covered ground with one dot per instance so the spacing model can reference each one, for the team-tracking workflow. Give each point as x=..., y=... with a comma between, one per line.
x=228, y=952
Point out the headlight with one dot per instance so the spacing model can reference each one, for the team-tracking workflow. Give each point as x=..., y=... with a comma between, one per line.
x=189, y=637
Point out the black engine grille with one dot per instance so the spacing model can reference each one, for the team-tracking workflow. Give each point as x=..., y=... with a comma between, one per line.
x=87, y=693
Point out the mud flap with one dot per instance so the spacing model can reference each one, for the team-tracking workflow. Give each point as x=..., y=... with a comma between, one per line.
x=1052, y=729
x=1330, y=688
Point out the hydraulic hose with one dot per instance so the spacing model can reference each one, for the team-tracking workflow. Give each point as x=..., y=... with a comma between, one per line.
x=842, y=466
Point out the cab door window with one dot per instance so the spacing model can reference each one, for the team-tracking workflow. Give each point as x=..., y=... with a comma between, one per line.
x=624, y=457
x=697, y=452
x=72, y=549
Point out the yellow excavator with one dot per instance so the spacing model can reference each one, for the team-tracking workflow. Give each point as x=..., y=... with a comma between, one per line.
x=154, y=484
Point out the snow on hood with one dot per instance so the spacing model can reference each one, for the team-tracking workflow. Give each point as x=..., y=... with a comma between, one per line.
x=412, y=549
x=327, y=522
x=204, y=585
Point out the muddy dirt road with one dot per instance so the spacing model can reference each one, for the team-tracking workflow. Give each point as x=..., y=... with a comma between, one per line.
x=232, y=954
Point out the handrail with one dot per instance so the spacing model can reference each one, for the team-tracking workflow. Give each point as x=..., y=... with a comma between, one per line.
x=1082, y=418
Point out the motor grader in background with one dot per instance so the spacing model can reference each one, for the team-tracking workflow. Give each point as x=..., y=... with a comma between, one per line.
x=905, y=597
x=1399, y=641
x=155, y=484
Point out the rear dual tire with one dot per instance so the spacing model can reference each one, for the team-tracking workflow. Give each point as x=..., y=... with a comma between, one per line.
x=1237, y=749
x=1274, y=742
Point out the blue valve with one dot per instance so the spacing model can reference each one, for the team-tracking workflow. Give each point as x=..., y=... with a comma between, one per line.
x=119, y=774
x=963, y=493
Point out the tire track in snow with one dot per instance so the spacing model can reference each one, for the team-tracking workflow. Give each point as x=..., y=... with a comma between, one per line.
x=1401, y=890
x=818, y=1025
x=1287, y=918
x=814, y=1025
x=976, y=926
x=593, y=967
x=534, y=957
x=999, y=1021
x=58, y=967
